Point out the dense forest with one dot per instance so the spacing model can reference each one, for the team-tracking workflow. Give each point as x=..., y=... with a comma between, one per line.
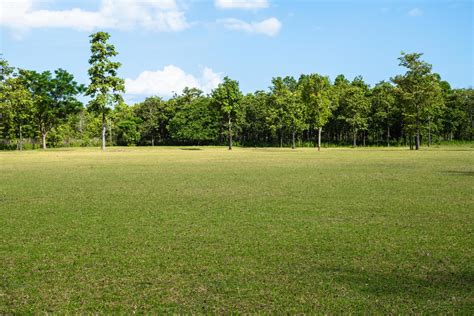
x=43, y=109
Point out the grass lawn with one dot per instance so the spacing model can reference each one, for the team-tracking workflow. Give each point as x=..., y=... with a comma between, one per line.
x=252, y=230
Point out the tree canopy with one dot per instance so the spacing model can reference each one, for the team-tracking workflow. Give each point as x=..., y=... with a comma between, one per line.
x=414, y=108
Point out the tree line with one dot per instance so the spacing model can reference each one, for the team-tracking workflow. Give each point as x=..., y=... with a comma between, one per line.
x=414, y=108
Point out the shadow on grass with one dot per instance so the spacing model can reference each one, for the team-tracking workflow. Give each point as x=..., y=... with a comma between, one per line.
x=459, y=173
x=434, y=285
x=190, y=148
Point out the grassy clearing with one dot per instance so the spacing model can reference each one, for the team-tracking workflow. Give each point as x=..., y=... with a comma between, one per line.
x=268, y=230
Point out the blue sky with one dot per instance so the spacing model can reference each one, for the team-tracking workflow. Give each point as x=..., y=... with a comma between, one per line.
x=167, y=44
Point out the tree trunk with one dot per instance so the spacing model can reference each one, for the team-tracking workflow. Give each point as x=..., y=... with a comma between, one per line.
x=110, y=133
x=281, y=139
x=417, y=139
x=230, y=133
x=104, y=130
x=21, y=139
x=153, y=140
x=44, y=139
x=388, y=136
x=429, y=131
x=319, y=139
x=363, y=139
x=354, y=143
x=417, y=134
x=293, y=140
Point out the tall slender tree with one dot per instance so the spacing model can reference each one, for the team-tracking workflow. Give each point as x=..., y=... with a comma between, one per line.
x=105, y=86
x=227, y=97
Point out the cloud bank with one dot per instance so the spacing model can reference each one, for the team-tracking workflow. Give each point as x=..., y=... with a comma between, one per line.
x=171, y=79
x=156, y=15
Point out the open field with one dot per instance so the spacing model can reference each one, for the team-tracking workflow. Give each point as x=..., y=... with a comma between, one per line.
x=267, y=230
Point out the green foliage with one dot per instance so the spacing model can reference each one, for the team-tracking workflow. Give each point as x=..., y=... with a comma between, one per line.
x=226, y=98
x=419, y=92
x=316, y=94
x=420, y=105
x=355, y=107
x=105, y=87
x=195, y=122
x=54, y=98
x=154, y=114
x=253, y=123
x=127, y=125
x=286, y=111
x=16, y=109
x=384, y=111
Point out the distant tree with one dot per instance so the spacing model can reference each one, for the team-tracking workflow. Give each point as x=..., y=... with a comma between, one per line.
x=126, y=125
x=196, y=121
x=226, y=97
x=336, y=126
x=54, y=98
x=286, y=111
x=419, y=92
x=356, y=107
x=316, y=94
x=383, y=107
x=154, y=114
x=458, y=115
x=105, y=86
x=5, y=72
x=254, y=126
x=16, y=108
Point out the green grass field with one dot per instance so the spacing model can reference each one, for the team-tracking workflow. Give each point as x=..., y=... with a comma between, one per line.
x=252, y=230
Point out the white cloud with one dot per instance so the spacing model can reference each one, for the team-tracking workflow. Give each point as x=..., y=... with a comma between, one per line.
x=269, y=27
x=170, y=80
x=415, y=12
x=158, y=15
x=241, y=4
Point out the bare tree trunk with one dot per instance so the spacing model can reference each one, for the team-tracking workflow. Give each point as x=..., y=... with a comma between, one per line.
x=110, y=133
x=363, y=139
x=354, y=139
x=21, y=139
x=281, y=139
x=153, y=140
x=44, y=139
x=417, y=139
x=429, y=131
x=388, y=136
x=230, y=133
x=319, y=138
x=104, y=130
x=293, y=139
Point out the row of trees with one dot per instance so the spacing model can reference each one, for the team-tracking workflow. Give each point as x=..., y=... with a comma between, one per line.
x=409, y=109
